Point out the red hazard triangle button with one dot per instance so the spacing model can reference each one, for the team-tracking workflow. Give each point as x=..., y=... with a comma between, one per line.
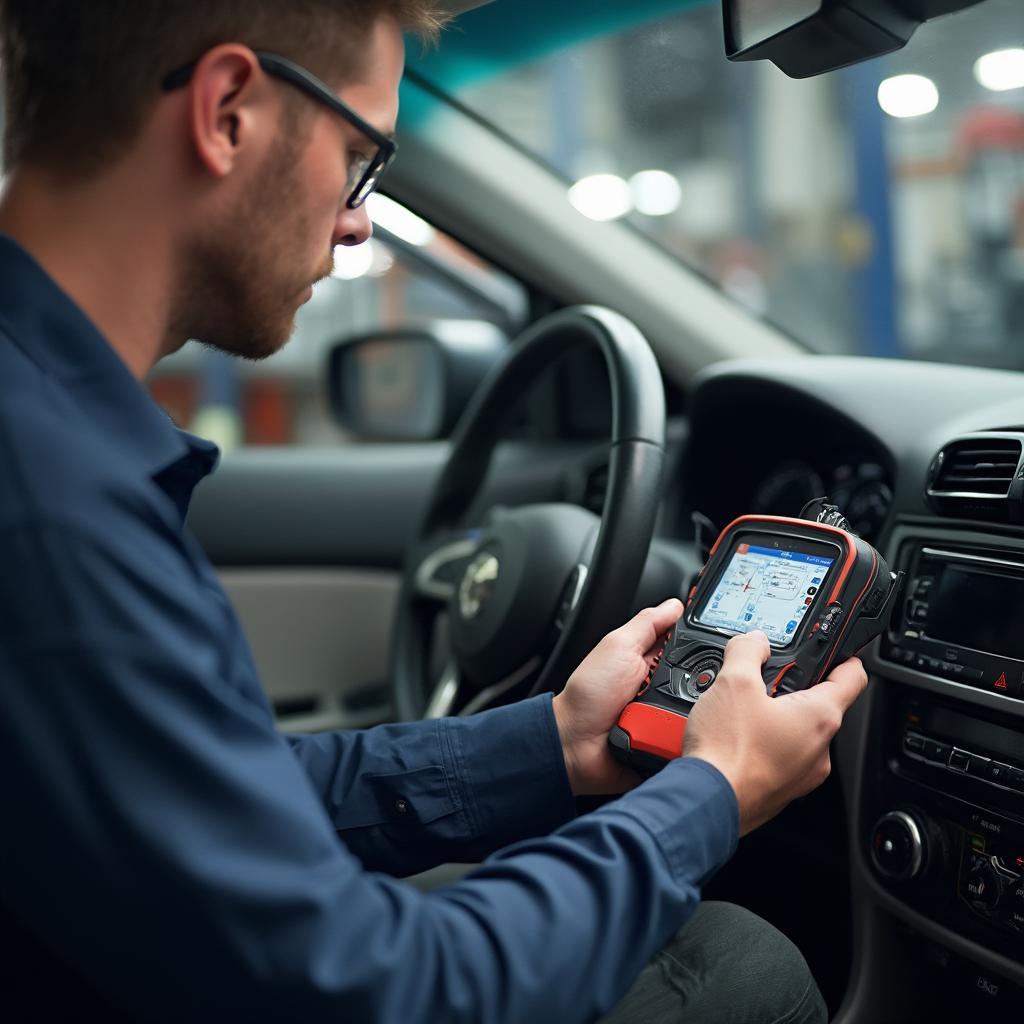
x=1011, y=687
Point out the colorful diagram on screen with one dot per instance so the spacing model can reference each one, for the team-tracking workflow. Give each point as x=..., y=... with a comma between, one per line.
x=766, y=589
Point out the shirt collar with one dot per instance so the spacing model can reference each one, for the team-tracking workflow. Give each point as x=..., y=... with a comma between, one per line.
x=55, y=334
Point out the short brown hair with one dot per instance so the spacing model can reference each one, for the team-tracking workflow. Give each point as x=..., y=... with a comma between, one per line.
x=79, y=76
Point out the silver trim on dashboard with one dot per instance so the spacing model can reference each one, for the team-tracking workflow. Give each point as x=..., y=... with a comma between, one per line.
x=960, y=556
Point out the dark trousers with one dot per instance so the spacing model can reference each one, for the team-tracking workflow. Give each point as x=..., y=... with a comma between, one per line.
x=727, y=966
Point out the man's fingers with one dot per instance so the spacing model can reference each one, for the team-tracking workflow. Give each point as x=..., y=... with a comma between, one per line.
x=746, y=654
x=647, y=629
x=846, y=683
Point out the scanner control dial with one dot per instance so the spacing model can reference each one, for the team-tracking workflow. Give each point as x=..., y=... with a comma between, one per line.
x=704, y=673
x=695, y=676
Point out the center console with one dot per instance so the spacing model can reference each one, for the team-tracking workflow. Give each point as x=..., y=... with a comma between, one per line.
x=942, y=815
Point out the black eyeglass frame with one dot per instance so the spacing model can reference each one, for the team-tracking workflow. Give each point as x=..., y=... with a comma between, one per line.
x=296, y=75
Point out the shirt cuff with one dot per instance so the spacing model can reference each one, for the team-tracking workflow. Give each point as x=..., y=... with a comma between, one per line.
x=690, y=809
x=510, y=769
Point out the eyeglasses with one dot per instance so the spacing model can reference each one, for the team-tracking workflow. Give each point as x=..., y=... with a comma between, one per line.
x=364, y=173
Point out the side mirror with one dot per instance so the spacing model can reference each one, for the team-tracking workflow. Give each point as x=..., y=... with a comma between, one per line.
x=412, y=383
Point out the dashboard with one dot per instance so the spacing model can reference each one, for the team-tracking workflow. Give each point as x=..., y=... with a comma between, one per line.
x=931, y=764
x=780, y=448
x=859, y=486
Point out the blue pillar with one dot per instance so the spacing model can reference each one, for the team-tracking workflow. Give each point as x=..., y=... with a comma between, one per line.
x=876, y=280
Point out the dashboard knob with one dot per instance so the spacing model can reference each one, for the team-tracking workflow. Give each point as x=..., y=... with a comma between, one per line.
x=898, y=846
x=982, y=885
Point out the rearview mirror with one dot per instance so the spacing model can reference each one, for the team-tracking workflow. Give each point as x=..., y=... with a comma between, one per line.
x=809, y=37
x=410, y=384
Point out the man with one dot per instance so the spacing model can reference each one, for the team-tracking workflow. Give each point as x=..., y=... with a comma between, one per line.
x=167, y=854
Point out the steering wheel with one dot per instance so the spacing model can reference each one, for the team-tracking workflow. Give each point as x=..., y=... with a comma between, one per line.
x=530, y=590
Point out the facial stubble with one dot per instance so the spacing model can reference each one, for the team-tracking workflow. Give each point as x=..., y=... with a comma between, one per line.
x=246, y=276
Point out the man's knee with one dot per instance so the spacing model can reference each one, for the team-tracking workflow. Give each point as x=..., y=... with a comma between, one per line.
x=738, y=967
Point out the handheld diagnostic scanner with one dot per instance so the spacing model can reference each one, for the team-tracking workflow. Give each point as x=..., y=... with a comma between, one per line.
x=816, y=590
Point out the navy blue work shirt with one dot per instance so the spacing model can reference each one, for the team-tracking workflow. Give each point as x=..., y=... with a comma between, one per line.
x=167, y=854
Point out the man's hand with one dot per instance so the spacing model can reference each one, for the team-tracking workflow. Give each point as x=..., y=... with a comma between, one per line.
x=606, y=681
x=770, y=750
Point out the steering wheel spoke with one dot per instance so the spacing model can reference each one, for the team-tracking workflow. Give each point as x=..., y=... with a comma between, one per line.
x=446, y=693
x=486, y=697
x=571, y=595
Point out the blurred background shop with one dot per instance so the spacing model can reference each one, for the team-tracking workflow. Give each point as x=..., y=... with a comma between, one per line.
x=878, y=210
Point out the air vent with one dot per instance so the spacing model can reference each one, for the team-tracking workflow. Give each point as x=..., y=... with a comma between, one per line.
x=979, y=477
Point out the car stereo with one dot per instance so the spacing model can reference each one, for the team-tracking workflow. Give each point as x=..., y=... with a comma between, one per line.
x=943, y=831
x=963, y=617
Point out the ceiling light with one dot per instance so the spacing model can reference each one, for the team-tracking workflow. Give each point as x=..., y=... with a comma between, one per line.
x=655, y=193
x=1001, y=70
x=352, y=261
x=398, y=221
x=601, y=196
x=908, y=96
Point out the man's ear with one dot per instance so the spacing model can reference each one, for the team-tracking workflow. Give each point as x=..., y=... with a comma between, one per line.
x=221, y=114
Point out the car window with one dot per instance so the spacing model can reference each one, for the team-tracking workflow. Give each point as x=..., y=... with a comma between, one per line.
x=863, y=211
x=408, y=274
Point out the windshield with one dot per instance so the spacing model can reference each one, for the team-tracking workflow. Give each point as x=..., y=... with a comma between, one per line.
x=863, y=211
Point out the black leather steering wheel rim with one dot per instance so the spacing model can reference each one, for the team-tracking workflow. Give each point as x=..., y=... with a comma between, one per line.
x=636, y=461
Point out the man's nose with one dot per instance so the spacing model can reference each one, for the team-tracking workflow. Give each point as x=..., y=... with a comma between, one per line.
x=353, y=227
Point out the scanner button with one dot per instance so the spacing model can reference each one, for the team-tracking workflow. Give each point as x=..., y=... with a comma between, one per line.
x=832, y=617
x=705, y=679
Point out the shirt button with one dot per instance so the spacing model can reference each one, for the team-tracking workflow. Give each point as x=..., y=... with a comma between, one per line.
x=401, y=806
